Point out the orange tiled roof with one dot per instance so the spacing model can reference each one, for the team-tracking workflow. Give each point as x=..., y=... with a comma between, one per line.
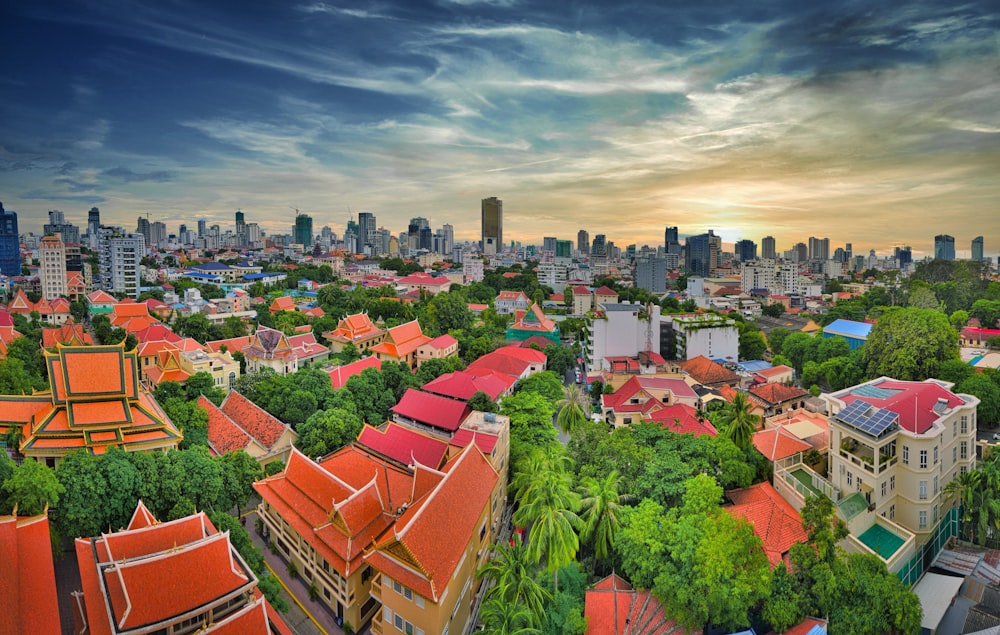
x=534, y=319
x=778, y=443
x=223, y=434
x=613, y=607
x=775, y=394
x=101, y=297
x=252, y=419
x=68, y=333
x=353, y=328
x=402, y=340
x=435, y=530
x=28, y=583
x=282, y=303
x=707, y=372
x=682, y=419
x=774, y=521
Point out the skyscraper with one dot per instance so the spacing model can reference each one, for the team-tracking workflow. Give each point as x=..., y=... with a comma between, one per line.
x=977, y=248
x=119, y=258
x=10, y=244
x=492, y=222
x=583, y=241
x=57, y=225
x=671, y=241
x=366, y=233
x=202, y=227
x=702, y=254
x=93, y=226
x=448, y=232
x=52, y=257
x=241, y=229
x=549, y=244
x=651, y=273
x=767, y=248
x=944, y=247
x=819, y=248
x=746, y=250
x=302, y=233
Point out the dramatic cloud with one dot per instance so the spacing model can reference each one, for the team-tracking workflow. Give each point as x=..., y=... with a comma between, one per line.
x=866, y=123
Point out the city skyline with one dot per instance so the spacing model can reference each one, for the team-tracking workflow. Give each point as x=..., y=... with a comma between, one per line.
x=864, y=124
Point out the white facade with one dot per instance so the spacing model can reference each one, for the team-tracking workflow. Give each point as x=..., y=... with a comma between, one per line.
x=710, y=336
x=779, y=278
x=901, y=472
x=120, y=257
x=52, y=258
x=472, y=267
x=553, y=275
x=621, y=332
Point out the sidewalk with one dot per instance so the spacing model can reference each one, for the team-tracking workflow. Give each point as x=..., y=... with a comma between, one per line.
x=305, y=616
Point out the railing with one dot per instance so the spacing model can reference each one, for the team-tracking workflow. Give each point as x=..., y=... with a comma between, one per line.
x=376, y=588
x=376, y=626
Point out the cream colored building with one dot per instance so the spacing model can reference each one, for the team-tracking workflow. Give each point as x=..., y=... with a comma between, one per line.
x=52, y=270
x=221, y=366
x=900, y=443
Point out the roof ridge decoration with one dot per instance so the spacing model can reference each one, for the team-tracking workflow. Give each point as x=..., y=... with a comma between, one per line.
x=401, y=533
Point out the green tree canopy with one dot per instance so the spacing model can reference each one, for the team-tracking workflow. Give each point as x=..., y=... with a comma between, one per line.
x=909, y=344
x=326, y=431
x=31, y=487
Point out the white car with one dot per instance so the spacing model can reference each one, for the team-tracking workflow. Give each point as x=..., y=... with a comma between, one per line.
x=996, y=436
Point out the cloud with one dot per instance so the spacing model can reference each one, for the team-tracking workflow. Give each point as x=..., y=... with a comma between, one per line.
x=47, y=196
x=128, y=176
x=322, y=7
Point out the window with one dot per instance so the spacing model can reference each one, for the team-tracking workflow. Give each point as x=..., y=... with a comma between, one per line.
x=482, y=532
x=923, y=490
x=420, y=601
x=892, y=482
x=892, y=511
x=906, y=455
x=923, y=459
x=964, y=450
x=407, y=593
x=387, y=615
x=954, y=454
x=935, y=514
x=850, y=478
x=935, y=485
x=965, y=424
x=859, y=483
x=408, y=629
x=935, y=455
x=885, y=487
x=399, y=619
x=923, y=520
x=397, y=587
x=963, y=470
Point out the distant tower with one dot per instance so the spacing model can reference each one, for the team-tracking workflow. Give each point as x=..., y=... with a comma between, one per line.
x=703, y=254
x=583, y=241
x=746, y=250
x=241, y=229
x=944, y=247
x=202, y=228
x=492, y=224
x=302, y=233
x=671, y=241
x=367, y=228
x=10, y=244
x=977, y=248
x=767, y=248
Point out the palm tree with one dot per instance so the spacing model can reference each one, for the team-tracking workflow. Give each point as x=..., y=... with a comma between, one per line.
x=738, y=422
x=549, y=506
x=514, y=583
x=965, y=487
x=573, y=409
x=599, y=511
x=501, y=618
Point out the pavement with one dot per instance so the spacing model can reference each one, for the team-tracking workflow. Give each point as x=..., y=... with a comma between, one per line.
x=67, y=571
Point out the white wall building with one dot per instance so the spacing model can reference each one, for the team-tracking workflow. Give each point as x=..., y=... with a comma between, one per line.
x=624, y=330
x=707, y=335
x=52, y=258
x=779, y=278
x=119, y=260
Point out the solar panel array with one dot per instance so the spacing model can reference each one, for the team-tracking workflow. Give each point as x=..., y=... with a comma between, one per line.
x=855, y=415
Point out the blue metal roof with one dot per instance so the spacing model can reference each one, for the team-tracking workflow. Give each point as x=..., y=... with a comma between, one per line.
x=817, y=630
x=849, y=328
x=754, y=365
x=211, y=266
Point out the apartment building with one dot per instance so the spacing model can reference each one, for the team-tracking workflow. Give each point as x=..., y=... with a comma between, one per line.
x=900, y=443
x=52, y=256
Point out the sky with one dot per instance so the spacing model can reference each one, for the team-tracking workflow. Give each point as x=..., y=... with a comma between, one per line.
x=876, y=123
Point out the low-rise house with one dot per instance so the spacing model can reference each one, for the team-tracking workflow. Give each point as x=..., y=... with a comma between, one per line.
x=682, y=419
x=779, y=374
x=583, y=300
x=340, y=374
x=139, y=580
x=55, y=311
x=94, y=401
x=400, y=344
x=532, y=322
x=508, y=302
x=282, y=303
x=776, y=399
x=512, y=361
x=440, y=347
x=856, y=333
x=240, y=424
x=640, y=396
x=28, y=599
x=132, y=316
x=776, y=523
x=101, y=302
x=972, y=337
x=709, y=373
x=424, y=282
x=462, y=385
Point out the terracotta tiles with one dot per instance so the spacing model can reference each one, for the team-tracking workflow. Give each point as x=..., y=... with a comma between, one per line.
x=708, y=373
x=777, y=443
x=68, y=333
x=776, y=394
x=255, y=421
x=683, y=419
x=613, y=607
x=774, y=521
x=223, y=434
x=27, y=577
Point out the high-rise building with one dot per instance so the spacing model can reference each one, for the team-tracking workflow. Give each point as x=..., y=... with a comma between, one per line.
x=52, y=258
x=819, y=248
x=702, y=253
x=767, y=248
x=977, y=248
x=302, y=233
x=253, y=234
x=583, y=241
x=119, y=259
x=93, y=226
x=904, y=255
x=241, y=229
x=10, y=244
x=425, y=239
x=746, y=250
x=549, y=244
x=651, y=273
x=448, y=232
x=142, y=227
x=157, y=233
x=367, y=229
x=492, y=225
x=944, y=247
x=671, y=241
x=57, y=225
x=849, y=251
x=202, y=227
x=564, y=249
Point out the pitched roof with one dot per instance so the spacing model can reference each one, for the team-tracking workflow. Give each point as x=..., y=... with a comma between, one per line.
x=613, y=607
x=232, y=344
x=774, y=371
x=483, y=440
x=402, y=340
x=682, y=419
x=707, y=372
x=534, y=319
x=68, y=333
x=223, y=433
x=849, y=328
x=913, y=401
x=644, y=387
x=101, y=297
x=433, y=410
x=404, y=445
x=603, y=290
x=432, y=535
x=771, y=394
x=778, y=443
x=340, y=374
x=441, y=342
x=774, y=521
x=355, y=327
x=282, y=303
x=252, y=419
x=463, y=384
x=512, y=296
x=509, y=360
x=28, y=584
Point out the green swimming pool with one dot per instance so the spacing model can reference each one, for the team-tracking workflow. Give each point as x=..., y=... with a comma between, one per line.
x=881, y=541
x=853, y=505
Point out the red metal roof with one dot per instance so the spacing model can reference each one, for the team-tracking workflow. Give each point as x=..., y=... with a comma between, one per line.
x=485, y=442
x=433, y=410
x=404, y=445
x=683, y=419
x=463, y=384
x=340, y=374
x=913, y=401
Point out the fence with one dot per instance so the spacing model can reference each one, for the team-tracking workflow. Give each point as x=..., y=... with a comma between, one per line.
x=947, y=529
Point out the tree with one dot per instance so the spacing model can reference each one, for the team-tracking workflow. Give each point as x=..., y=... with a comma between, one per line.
x=31, y=488
x=988, y=393
x=202, y=383
x=909, y=344
x=84, y=483
x=574, y=409
x=530, y=423
x=751, y=345
x=239, y=472
x=501, y=618
x=599, y=510
x=568, y=297
x=123, y=480
x=14, y=378
x=775, y=309
x=326, y=431
x=738, y=422
x=545, y=383
x=481, y=401
x=782, y=607
x=512, y=573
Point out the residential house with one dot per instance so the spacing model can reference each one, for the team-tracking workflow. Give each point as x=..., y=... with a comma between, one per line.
x=424, y=282
x=604, y=295
x=640, y=396
x=682, y=419
x=613, y=607
x=709, y=373
x=532, y=322
x=282, y=303
x=583, y=300
x=776, y=399
x=779, y=374
x=273, y=349
x=899, y=444
x=140, y=580
x=508, y=302
x=28, y=599
x=94, y=401
x=440, y=347
x=55, y=311
x=240, y=424
x=400, y=344
x=776, y=523
x=340, y=374
x=511, y=361
x=972, y=337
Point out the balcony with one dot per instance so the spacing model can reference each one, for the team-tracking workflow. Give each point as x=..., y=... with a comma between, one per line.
x=376, y=626
x=864, y=456
x=376, y=589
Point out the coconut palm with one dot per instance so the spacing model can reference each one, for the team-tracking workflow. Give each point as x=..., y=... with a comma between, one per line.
x=500, y=618
x=599, y=509
x=512, y=573
x=573, y=409
x=738, y=423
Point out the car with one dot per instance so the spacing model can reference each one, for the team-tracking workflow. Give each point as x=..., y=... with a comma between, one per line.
x=996, y=436
x=579, y=377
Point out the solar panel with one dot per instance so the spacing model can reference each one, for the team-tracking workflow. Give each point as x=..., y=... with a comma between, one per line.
x=856, y=415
